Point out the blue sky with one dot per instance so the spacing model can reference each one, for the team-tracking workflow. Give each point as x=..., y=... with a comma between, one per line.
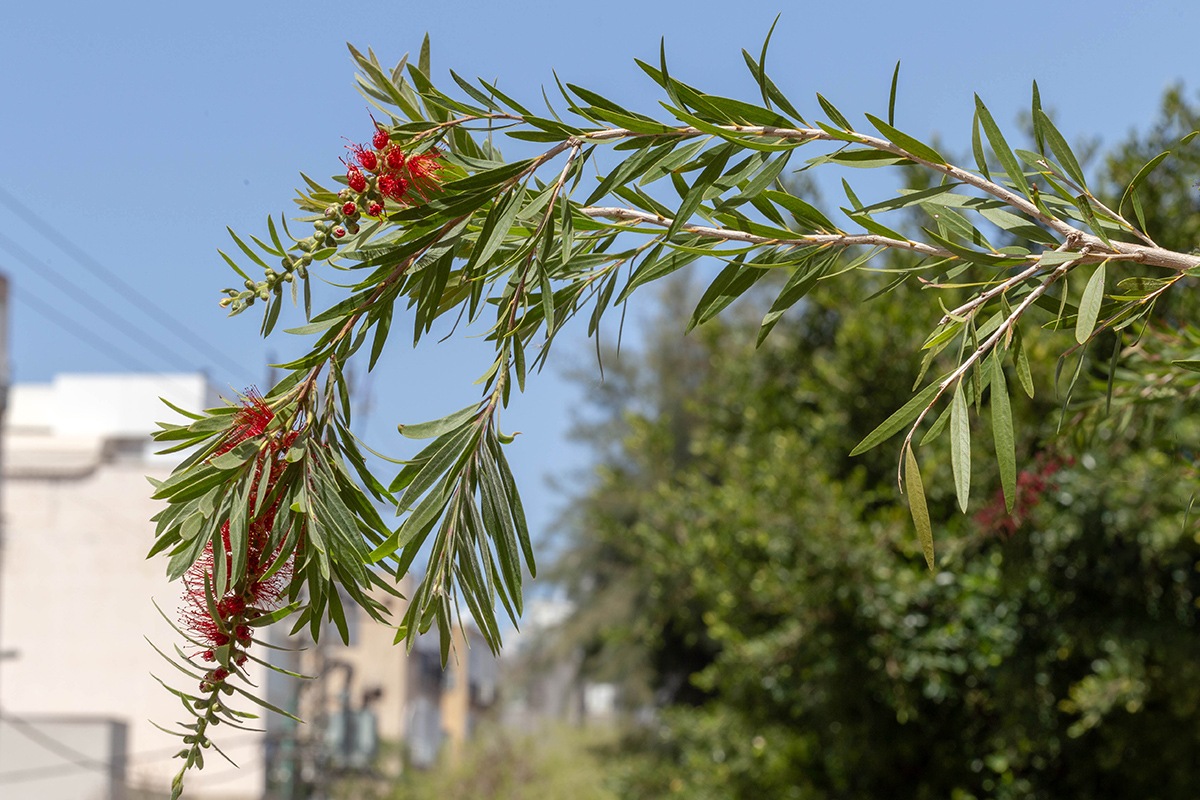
x=138, y=131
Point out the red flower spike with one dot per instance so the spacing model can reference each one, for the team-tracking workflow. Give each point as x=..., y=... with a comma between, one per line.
x=251, y=421
x=375, y=210
x=367, y=159
x=393, y=186
x=394, y=158
x=256, y=588
x=380, y=139
x=349, y=209
x=358, y=181
x=424, y=173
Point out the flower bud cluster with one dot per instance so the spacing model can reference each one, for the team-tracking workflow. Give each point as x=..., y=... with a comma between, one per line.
x=375, y=176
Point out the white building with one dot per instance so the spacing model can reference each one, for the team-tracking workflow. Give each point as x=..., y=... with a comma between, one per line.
x=76, y=587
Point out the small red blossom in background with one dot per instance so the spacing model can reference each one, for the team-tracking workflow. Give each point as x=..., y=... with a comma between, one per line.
x=1031, y=488
x=261, y=589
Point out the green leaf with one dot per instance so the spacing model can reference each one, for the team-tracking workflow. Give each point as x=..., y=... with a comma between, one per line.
x=1022, y=360
x=977, y=148
x=799, y=284
x=730, y=284
x=435, y=428
x=695, y=194
x=1002, y=432
x=834, y=115
x=1190, y=364
x=805, y=213
x=1085, y=206
x=960, y=446
x=898, y=420
x=441, y=461
x=915, y=490
x=246, y=249
x=1058, y=145
x=1142, y=174
x=906, y=142
x=237, y=456
x=1089, y=305
x=1000, y=147
x=892, y=96
x=1039, y=131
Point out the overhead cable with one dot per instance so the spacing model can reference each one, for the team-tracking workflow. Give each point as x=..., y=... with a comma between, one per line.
x=145, y=304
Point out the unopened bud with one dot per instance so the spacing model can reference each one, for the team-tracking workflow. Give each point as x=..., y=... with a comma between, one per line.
x=339, y=231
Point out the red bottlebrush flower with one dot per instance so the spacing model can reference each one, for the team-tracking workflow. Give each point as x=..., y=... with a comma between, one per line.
x=358, y=181
x=393, y=186
x=349, y=209
x=380, y=139
x=375, y=210
x=393, y=157
x=1032, y=485
x=424, y=173
x=256, y=587
x=367, y=159
x=251, y=421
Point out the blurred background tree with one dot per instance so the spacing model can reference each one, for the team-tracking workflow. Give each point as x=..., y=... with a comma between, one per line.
x=764, y=594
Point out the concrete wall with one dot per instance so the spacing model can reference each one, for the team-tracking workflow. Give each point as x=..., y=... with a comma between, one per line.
x=76, y=589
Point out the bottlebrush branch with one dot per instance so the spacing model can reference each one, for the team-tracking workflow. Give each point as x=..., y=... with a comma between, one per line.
x=274, y=512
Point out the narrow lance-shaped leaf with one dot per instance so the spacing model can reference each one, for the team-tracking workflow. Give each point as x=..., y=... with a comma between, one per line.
x=1002, y=432
x=915, y=490
x=960, y=446
x=1089, y=305
x=892, y=425
x=1000, y=146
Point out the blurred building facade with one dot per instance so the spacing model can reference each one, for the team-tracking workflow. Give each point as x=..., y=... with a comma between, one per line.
x=76, y=692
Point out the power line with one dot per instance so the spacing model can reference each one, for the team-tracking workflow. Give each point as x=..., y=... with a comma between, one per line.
x=46, y=741
x=84, y=761
x=88, y=301
x=81, y=333
x=147, y=306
